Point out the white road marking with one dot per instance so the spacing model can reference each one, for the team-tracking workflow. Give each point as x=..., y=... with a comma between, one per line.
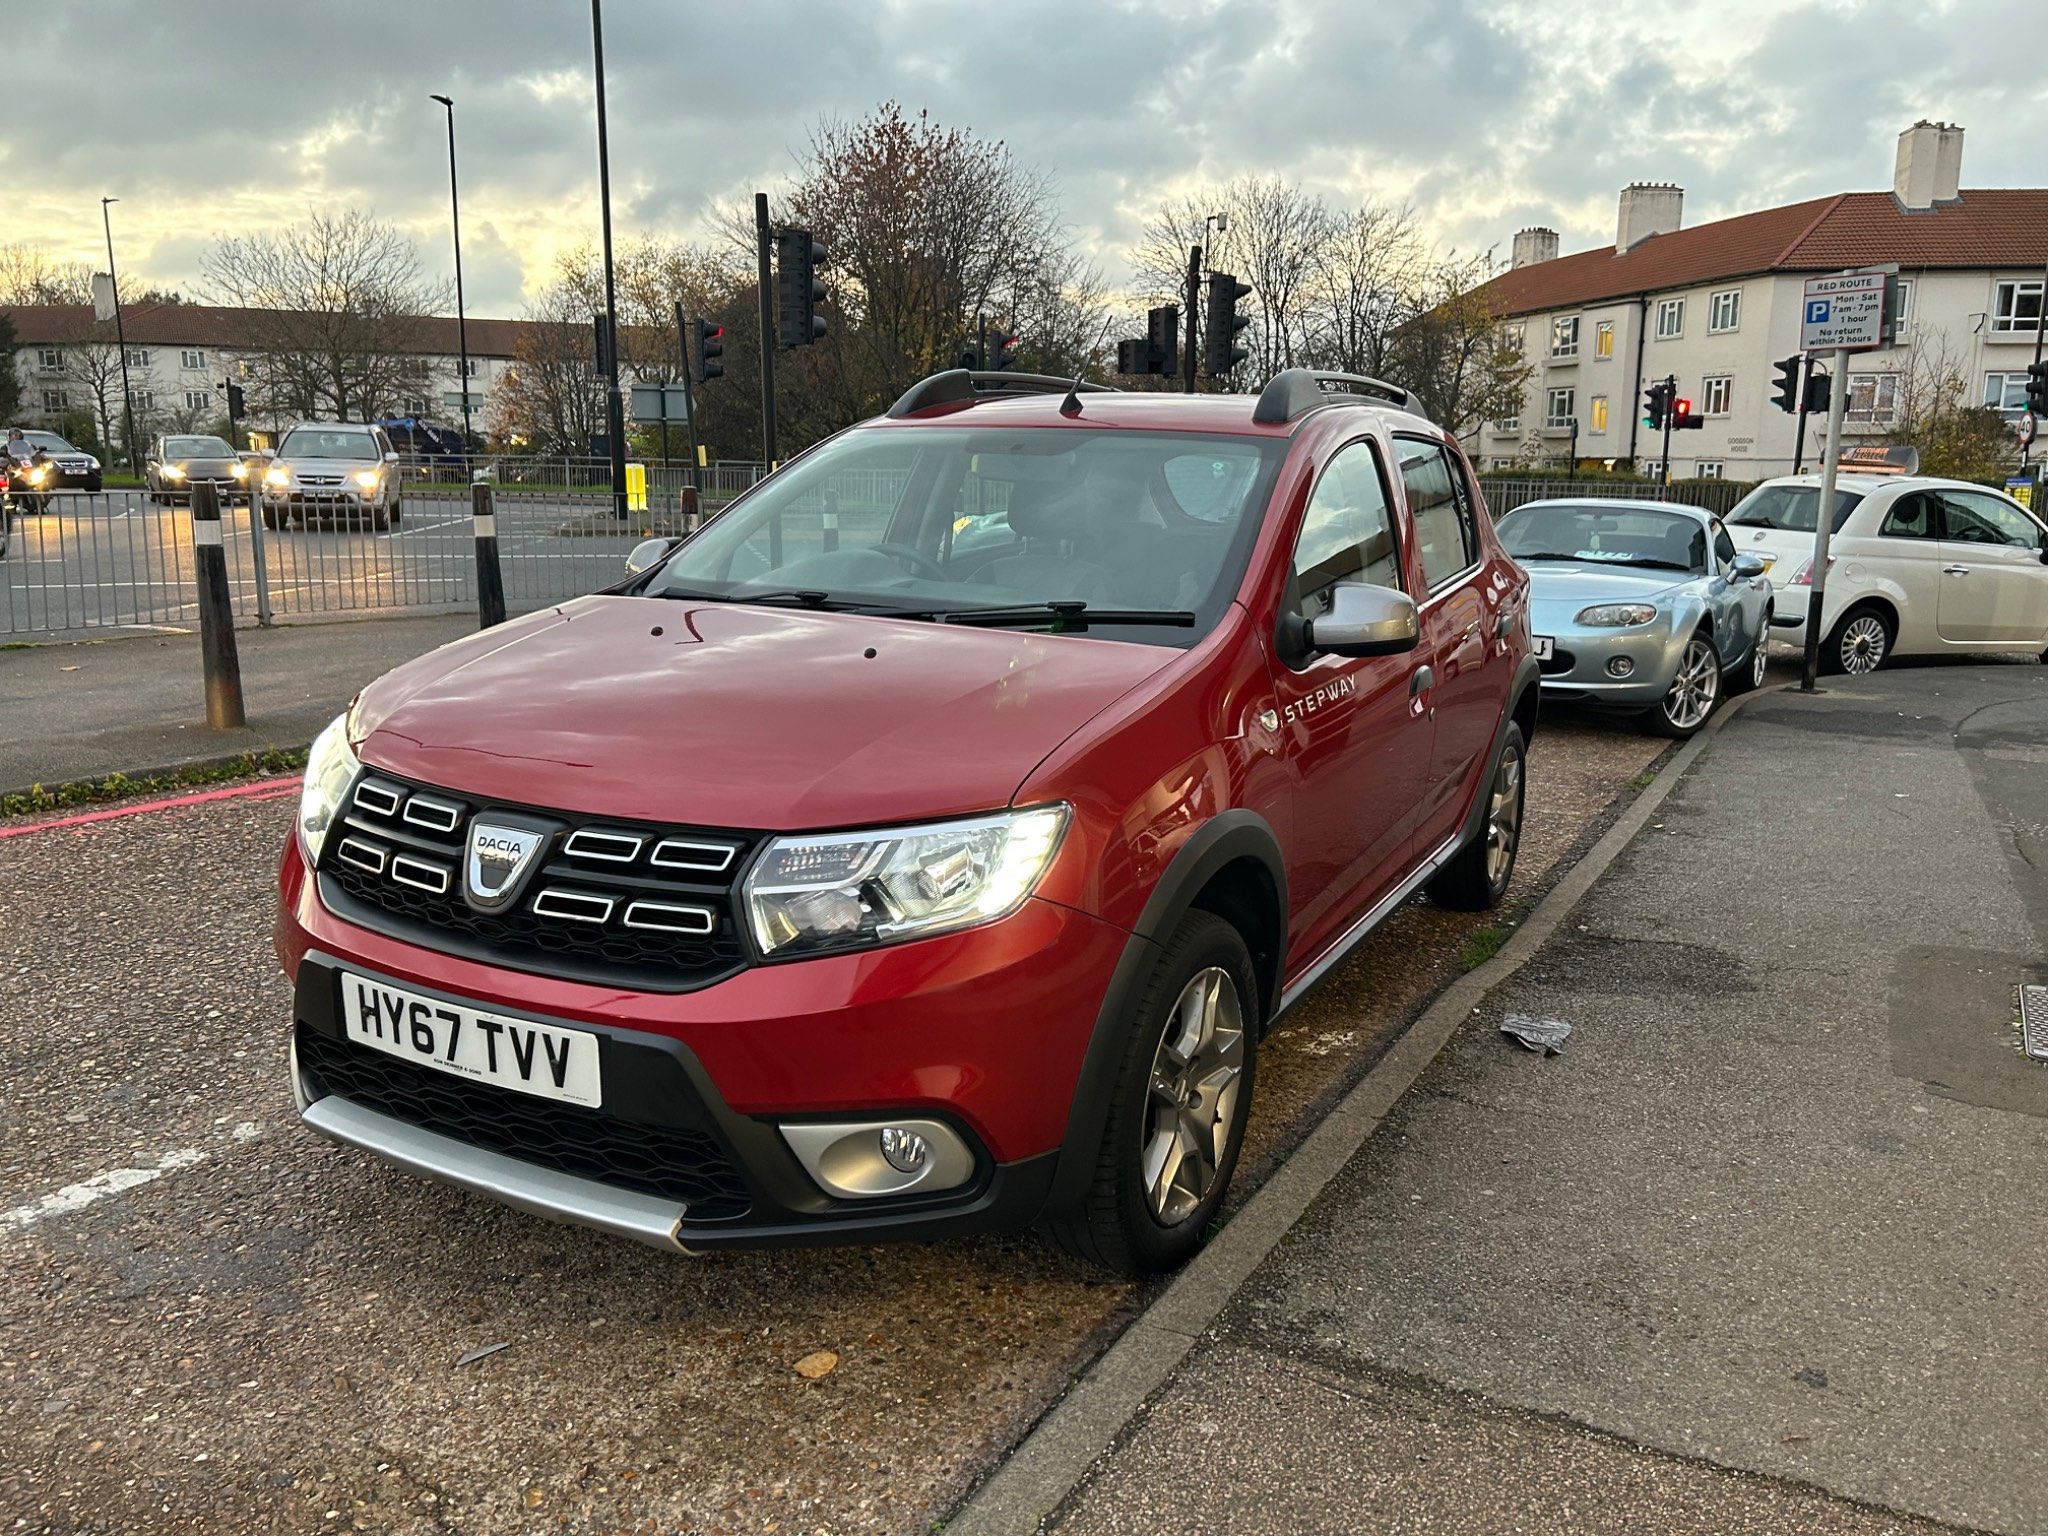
x=76, y=1197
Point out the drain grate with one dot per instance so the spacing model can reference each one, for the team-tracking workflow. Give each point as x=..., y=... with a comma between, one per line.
x=2034, y=1022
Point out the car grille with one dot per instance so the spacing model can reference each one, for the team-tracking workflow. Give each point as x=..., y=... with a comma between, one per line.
x=319, y=481
x=612, y=902
x=673, y=1162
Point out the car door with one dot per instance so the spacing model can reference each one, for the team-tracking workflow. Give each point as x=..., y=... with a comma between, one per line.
x=1904, y=548
x=1734, y=604
x=1994, y=588
x=1357, y=728
x=1457, y=624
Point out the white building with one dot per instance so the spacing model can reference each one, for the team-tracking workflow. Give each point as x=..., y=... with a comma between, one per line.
x=1719, y=304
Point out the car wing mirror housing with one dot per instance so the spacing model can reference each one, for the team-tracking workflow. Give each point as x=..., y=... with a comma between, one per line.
x=1364, y=621
x=1744, y=566
x=649, y=553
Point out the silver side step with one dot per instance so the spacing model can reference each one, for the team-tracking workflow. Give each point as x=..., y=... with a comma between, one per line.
x=1359, y=931
x=543, y=1191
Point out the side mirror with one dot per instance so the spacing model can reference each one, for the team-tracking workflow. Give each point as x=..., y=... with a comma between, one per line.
x=390, y=458
x=1364, y=621
x=1744, y=566
x=649, y=553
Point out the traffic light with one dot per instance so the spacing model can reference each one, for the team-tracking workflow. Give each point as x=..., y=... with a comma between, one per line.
x=1657, y=405
x=2037, y=388
x=710, y=351
x=797, y=259
x=1002, y=350
x=1785, y=395
x=1818, y=388
x=1220, y=351
x=237, y=404
x=1682, y=418
x=1132, y=355
x=1162, y=339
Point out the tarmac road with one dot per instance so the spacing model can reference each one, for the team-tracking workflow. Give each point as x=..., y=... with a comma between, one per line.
x=217, y=1322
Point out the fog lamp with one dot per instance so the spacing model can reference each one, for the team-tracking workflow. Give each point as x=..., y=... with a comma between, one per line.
x=904, y=1150
x=1619, y=666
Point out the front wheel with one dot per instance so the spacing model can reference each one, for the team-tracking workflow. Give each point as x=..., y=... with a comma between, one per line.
x=1695, y=690
x=1750, y=675
x=1177, y=1112
x=1477, y=876
x=1860, y=642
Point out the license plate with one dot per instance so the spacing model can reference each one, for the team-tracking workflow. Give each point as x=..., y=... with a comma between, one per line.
x=1542, y=647
x=545, y=1060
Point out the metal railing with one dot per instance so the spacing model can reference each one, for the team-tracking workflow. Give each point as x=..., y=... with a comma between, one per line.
x=1504, y=493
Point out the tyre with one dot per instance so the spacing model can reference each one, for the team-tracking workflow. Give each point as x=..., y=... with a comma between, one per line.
x=1750, y=675
x=380, y=518
x=1177, y=1111
x=397, y=512
x=1860, y=642
x=1478, y=874
x=94, y=484
x=272, y=518
x=1695, y=689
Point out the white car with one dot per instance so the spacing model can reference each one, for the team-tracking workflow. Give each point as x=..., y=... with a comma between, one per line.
x=1917, y=566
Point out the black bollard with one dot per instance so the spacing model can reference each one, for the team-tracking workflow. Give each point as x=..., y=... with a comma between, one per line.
x=222, y=665
x=490, y=580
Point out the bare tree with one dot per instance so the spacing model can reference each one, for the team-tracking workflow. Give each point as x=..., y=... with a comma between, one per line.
x=92, y=363
x=1363, y=287
x=552, y=397
x=335, y=305
x=1930, y=408
x=1454, y=354
x=29, y=275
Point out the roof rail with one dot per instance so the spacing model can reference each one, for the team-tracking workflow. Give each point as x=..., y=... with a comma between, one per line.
x=1294, y=392
x=961, y=384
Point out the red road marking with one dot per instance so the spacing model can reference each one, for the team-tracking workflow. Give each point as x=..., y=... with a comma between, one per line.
x=262, y=789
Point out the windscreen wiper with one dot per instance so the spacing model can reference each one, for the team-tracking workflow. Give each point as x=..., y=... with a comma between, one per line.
x=1548, y=554
x=1067, y=614
x=803, y=597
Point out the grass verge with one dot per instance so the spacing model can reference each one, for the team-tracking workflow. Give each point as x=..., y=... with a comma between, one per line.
x=119, y=786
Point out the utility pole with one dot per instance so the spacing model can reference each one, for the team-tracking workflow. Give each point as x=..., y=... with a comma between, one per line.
x=763, y=235
x=1571, y=464
x=1187, y=356
x=689, y=399
x=1671, y=386
x=2040, y=333
x=461, y=316
x=120, y=338
x=615, y=420
x=1838, y=399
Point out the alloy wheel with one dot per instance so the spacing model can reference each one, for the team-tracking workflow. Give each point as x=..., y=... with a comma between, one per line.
x=1192, y=1105
x=1504, y=816
x=1863, y=644
x=1760, y=655
x=1697, y=686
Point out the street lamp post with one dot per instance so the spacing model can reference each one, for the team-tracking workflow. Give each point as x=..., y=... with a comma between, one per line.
x=461, y=316
x=615, y=425
x=120, y=338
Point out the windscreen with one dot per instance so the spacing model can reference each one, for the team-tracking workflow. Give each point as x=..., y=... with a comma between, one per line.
x=939, y=520
x=1605, y=535
x=197, y=448
x=314, y=443
x=49, y=441
x=1791, y=508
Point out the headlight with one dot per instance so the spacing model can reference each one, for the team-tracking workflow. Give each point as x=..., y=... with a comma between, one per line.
x=329, y=767
x=277, y=477
x=367, y=479
x=240, y=471
x=852, y=890
x=39, y=474
x=1616, y=615
x=174, y=471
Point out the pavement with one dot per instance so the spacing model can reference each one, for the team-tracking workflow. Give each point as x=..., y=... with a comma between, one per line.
x=1756, y=1252
x=86, y=708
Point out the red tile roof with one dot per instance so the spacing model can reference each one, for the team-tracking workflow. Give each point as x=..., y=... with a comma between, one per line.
x=207, y=325
x=1993, y=227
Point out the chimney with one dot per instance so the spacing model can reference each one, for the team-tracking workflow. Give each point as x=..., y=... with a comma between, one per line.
x=1534, y=245
x=102, y=296
x=1929, y=169
x=1648, y=208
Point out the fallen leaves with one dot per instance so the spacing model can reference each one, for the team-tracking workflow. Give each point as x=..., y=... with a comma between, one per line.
x=818, y=1363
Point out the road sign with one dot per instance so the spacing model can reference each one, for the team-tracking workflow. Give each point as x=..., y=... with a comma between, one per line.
x=659, y=402
x=1844, y=313
x=2020, y=488
x=2027, y=426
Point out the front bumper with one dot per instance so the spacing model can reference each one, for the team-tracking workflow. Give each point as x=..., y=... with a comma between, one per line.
x=983, y=1032
x=1578, y=671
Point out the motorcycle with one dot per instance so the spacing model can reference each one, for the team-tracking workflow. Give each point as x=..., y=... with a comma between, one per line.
x=30, y=482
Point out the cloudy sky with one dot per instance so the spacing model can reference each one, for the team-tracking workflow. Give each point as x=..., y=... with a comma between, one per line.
x=207, y=116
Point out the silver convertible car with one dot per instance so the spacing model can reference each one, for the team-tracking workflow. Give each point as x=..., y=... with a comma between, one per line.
x=1642, y=606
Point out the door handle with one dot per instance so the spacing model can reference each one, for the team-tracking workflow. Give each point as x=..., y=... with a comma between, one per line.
x=1420, y=682
x=1955, y=570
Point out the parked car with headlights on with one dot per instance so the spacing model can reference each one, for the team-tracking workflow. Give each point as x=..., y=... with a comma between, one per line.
x=179, y=461
x=1642, y=606
x=339, y=472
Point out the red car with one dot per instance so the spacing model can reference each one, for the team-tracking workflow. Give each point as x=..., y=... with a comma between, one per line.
x=925, y=845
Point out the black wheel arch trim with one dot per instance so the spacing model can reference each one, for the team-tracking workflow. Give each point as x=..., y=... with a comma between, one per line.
x=1528, y=684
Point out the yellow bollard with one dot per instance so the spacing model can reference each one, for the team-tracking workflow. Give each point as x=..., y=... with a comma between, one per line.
x=636, y=487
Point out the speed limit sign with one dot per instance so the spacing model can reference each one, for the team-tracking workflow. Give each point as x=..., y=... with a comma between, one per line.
x=2028, y=425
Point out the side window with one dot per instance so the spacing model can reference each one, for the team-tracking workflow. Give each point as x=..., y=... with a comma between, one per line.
x=1914, y=516
x=1441, y=508
x=1347, y=531
x=1977, y=518
x=1724, y=546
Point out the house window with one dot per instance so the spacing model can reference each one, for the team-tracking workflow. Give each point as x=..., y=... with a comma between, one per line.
x=469, y=368
x=414, y=405
x=1560, y=405
x=1654, y=468
x=2007, y=393
x=197, y=399
x=50, y=357
x=1716, y=391
x=1902, y=304
x=1564, y=336
x=191, y=359
x=1872, y=397
x=138, y=358
x=143, y=399
x=54, y=401
x=1709, y=469
x=2016, y=307
x=1498, y=463
x=1603, y=339
x=244, y=369
x=1724, y=310
x=1599, y=413
x=1670, y=319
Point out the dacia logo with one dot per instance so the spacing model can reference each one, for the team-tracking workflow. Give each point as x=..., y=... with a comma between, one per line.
x=1322, y=698
x=499, y=858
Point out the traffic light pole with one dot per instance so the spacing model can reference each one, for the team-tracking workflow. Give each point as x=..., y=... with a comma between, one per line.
x=1670, y=410
x=1824, y=524
x=689, y=399
x=1799, y=421
x=1187, y=362
x=762, y=236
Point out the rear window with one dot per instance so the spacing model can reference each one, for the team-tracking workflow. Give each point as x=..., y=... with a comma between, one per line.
x=1792, y=508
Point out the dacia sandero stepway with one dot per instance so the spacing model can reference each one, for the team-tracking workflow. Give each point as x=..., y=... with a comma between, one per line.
x=926, y=844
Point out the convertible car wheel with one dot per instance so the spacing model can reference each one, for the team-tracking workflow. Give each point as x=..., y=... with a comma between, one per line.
x=1694, y=691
